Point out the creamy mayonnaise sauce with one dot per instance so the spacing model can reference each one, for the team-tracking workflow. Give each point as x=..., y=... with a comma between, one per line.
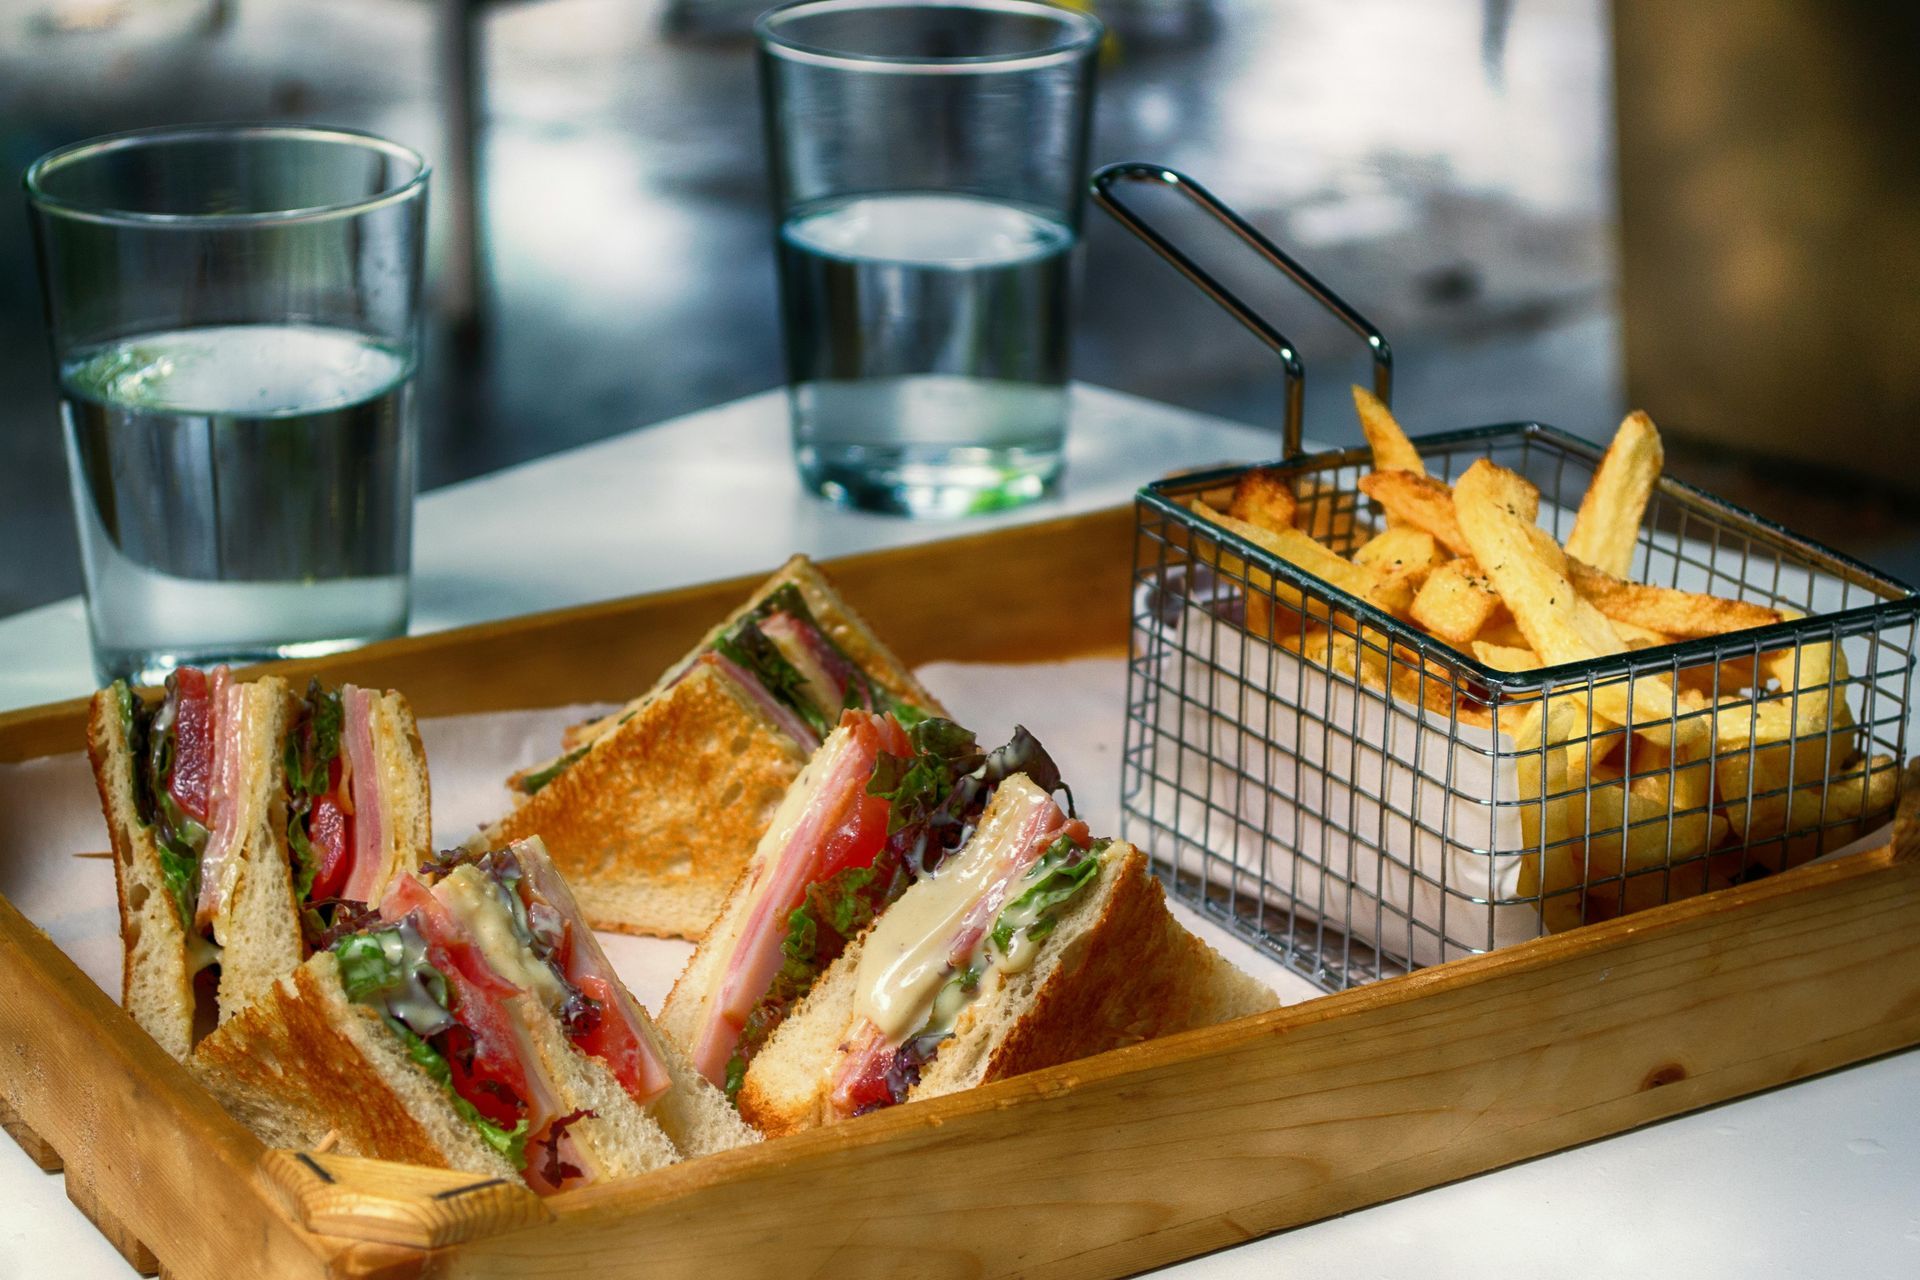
x=906, y=958
x=477, y=902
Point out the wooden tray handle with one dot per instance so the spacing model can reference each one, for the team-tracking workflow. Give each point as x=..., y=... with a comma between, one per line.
x=391, y=1203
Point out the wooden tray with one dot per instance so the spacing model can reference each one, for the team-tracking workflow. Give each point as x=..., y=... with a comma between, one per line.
x=1099, y=1168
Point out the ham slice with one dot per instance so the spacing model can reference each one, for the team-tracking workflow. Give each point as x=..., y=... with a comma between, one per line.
x=1045, y=827
x=756, y=957
x=370, y=838
x=228, y=727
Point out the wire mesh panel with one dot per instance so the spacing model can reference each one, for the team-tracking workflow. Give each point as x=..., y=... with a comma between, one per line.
x=1361, y=798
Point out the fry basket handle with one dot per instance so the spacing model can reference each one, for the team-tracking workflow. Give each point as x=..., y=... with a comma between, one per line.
x=1105, y=184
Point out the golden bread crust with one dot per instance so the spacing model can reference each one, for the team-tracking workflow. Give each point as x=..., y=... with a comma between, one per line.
x=283, y=1053
x=653, y=826
x=153, y=942
x=1136, y=975
x=851, y=632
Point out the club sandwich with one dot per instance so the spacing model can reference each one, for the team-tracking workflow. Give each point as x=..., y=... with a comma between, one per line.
x=652, y=811
x=472, y=1022
x=1033, y=945
x=879, y=806
x=242, y=819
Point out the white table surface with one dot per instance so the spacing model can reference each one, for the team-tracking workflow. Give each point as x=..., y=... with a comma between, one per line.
x=1816, y=1179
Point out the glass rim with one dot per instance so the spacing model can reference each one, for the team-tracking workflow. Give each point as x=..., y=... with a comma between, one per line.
x=91, y=148
x=1081, y=33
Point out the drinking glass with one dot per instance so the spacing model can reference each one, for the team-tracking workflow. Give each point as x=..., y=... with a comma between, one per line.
x=234, y=315
x=927, y=164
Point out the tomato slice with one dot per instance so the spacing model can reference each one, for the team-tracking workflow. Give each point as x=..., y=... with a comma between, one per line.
x=327, y=833
x=858, y=839
x=862, y=830
x=614, y=1041
x=481, y=1051
x=192, y=743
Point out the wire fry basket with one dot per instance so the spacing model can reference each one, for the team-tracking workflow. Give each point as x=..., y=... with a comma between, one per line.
x=1360, y=798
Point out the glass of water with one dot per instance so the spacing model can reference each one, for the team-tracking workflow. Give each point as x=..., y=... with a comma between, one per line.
x=234, y=316
x=928, y=161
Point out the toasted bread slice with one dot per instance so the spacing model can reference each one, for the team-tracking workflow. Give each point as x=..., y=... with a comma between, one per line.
x=653, y=825
x=694, y=1114
x=304, y=1061
x=842, y=625
x=654, y=822
x=1117, y=969
x=156, y=976
x=405, y=790
x=257, y=923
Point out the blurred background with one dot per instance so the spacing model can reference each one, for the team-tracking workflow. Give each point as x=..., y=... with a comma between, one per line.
x=1551, y=207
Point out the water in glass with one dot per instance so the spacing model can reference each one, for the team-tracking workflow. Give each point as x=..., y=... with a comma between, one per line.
x=927, y=347
x=243, y=492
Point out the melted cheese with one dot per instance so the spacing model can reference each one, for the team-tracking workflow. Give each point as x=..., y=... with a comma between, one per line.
x=476, y=902
x=905, y=960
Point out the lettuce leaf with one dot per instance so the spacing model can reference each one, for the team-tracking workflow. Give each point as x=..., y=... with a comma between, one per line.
x=748, y=648
x=833, y=914
x=388, y=969
x=510, y=1143
x=936, y=796
x=539, y=778
x=180, y=867
x=1054, y=881
x=311, y=749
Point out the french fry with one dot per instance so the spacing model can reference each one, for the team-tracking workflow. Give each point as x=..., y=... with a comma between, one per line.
x=1502, y=631
x=1608, y=523
x=1713, y=681
x=1639, y=637
x=1324, y=513
x=1550, y=770
x=1264, y=498
x=1455, y=602
x=1812, y=672
x=1857, y=796
x=1559, y=624
x=1873, y=805
x=1297, y=548
x=1641, y=825
x=1392, y=451
x=1402, y=552
x=1502, y=657
x=1334, y=650
x=1427, y=503
x=1794, y=739
x=1681, y=614
x=1420, y=501
x=1766, y=773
